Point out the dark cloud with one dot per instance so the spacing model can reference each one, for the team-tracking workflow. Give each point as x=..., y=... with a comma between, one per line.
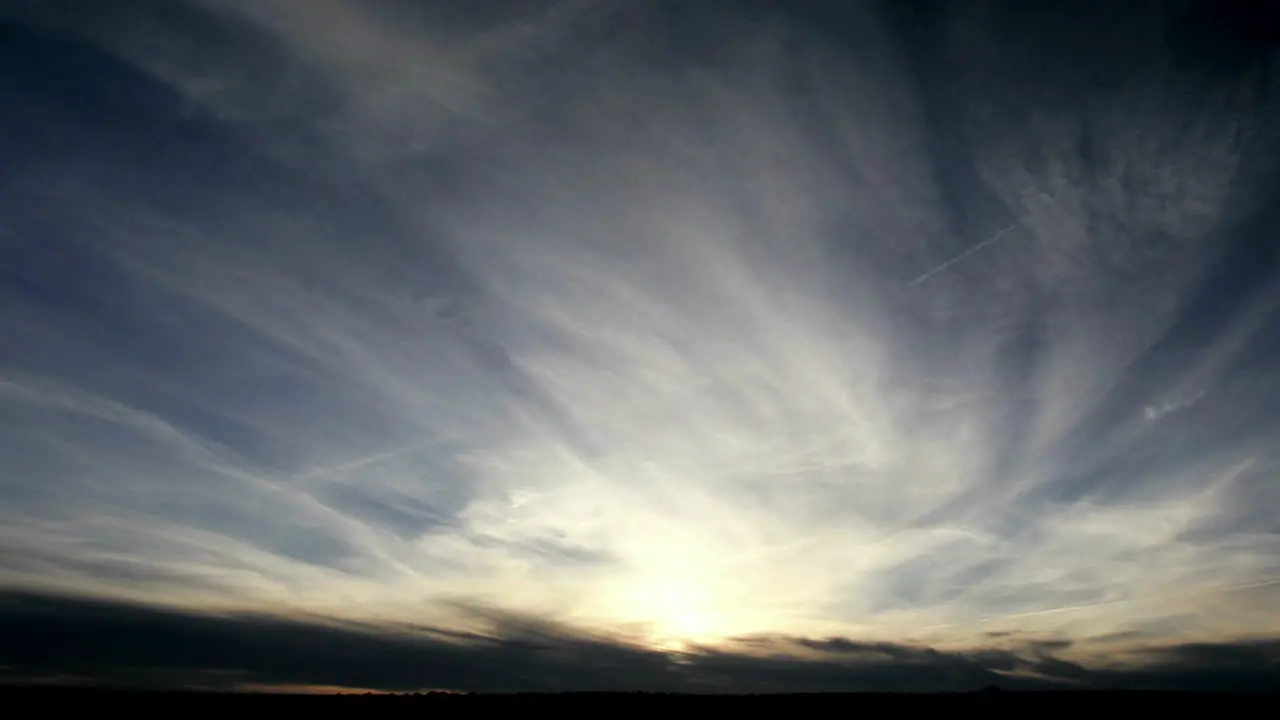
x=51, y=636
x=96, y=641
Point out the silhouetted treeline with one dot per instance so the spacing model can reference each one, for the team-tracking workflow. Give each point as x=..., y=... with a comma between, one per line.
x=1111, y=701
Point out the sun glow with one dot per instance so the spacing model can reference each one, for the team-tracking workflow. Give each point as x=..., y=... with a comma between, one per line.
x=679, y=612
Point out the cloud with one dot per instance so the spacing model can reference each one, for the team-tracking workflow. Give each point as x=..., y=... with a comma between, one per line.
x=136, y=645
x=384, y=82
x=609, y=318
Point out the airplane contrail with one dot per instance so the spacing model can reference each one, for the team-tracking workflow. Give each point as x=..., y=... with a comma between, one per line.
x=366, y=460
x=1191, y=592
x=961, y=256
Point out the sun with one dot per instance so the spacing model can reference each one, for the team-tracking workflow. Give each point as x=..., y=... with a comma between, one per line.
x=677, y=612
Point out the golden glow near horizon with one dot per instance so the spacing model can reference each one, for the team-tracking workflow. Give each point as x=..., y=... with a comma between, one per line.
x=689, y=373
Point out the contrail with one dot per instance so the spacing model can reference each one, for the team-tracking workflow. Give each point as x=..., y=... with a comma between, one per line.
x=961, y=256
x=1191, y=592
x=360, y=462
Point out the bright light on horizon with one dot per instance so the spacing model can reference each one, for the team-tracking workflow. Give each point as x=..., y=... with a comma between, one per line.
x=425, y=319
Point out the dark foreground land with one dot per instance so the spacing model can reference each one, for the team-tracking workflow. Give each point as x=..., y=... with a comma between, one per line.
x=1240, y=704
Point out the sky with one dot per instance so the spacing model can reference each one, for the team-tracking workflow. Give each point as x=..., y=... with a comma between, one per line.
x=640, y=345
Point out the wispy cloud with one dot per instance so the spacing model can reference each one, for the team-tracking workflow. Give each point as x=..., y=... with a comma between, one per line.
x=596, y=322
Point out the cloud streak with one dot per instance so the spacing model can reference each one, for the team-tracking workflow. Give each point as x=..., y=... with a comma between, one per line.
x=925, y=276
x=614, y=318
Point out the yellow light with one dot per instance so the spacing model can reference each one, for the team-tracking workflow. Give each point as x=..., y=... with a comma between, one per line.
x=676, y=612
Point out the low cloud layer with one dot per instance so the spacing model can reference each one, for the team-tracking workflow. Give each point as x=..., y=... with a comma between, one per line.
x=913, y=324
x=64, y=640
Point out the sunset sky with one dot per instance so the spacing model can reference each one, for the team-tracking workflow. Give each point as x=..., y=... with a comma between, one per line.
x=640, y=344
